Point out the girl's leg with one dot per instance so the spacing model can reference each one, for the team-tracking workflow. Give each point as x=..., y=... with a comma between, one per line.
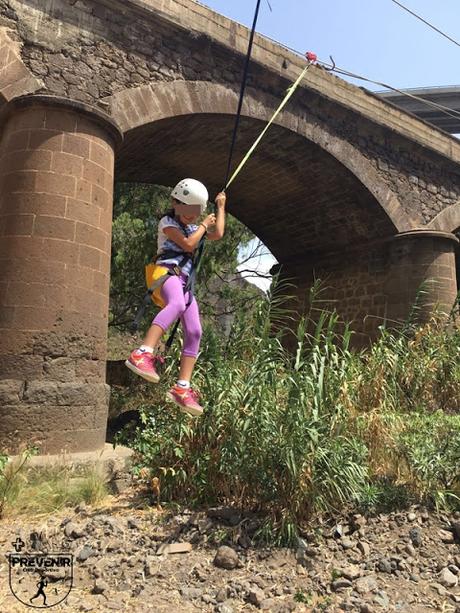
x=141, y=361
x=173, y=294
x=187, y=364
x=191, y=325
x=181, y=394
x=153, y=336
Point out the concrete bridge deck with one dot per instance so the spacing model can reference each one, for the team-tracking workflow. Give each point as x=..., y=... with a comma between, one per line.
x=446, y=96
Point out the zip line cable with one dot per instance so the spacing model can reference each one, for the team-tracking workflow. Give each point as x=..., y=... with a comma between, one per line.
x=311, y=58
x=286, y=99
x=430, y=25
x=333, y=68
x=440, y=107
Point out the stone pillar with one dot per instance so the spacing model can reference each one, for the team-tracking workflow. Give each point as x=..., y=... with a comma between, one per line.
x=56, y=191
x=380, y=283
x=421, y=258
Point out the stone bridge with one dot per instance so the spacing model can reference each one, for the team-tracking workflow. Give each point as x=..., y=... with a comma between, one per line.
x=345, y=187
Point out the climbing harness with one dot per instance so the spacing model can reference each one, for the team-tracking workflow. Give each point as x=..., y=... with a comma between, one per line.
x=156, y=275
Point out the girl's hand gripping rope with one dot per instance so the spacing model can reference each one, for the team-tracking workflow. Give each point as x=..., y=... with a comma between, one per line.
x=218, y=222
x=221, y=199
x=210, y=220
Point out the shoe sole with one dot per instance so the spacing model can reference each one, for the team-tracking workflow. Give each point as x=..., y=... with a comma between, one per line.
x=188, y=410
x=141, y=373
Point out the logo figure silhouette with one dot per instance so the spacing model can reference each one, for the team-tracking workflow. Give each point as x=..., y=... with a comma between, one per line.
x=40, y=584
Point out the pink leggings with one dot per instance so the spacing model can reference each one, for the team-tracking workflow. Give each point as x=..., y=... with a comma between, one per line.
x=176, y=307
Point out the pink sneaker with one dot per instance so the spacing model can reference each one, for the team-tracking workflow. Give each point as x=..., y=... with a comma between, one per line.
x=186, y=399
x=143, y=364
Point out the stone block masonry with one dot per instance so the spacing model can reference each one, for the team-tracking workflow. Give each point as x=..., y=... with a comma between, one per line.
x=374, y=285
x=56, y=178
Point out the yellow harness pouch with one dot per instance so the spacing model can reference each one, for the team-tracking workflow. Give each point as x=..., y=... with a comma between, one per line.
x=153, y=273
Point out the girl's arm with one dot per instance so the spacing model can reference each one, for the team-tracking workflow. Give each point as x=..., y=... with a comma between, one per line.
x=219, y=230
x=189, y=243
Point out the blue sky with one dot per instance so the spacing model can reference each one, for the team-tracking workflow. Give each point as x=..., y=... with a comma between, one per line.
x=373, y=38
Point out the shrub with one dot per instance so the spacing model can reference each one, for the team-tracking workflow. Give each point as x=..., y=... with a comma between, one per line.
x=320, y=429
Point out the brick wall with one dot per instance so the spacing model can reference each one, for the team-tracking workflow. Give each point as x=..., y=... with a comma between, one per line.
x=15, y=78
x=423, y=272
x=351, y=282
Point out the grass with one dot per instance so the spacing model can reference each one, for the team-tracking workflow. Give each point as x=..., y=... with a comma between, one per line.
x=44, y=490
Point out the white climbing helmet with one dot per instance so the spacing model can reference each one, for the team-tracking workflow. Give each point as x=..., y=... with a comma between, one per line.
x=191, y=191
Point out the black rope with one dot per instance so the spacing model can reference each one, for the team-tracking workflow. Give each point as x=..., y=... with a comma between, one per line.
x=242, y=90
x=169, y=342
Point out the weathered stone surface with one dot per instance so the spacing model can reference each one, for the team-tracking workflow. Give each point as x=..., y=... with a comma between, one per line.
x=85, y=552
x=56, y=298
x=70, y=394
x=366, y=584
x=226, y=557
x=447, y=578
x=11, y=391
x=174, y=548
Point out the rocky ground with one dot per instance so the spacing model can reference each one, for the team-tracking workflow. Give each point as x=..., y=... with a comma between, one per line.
x=407, y=562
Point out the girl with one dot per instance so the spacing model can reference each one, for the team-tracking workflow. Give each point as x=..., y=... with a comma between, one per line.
x=178, y=232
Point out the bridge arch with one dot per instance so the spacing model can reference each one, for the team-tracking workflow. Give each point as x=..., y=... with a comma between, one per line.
x=338, y=176
x=324, y=191
x=448, y=220
x=15, y=78
x=138, y=110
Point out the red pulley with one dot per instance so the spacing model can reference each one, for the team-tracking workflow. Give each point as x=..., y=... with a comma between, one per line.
x=311, y=57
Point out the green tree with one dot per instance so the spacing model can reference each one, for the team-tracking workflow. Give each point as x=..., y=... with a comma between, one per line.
x=137, y=211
